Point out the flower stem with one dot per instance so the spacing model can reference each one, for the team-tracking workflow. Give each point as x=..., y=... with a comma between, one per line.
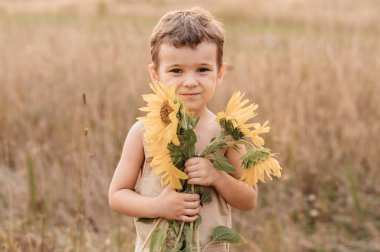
x=197, y=240
x=179, y=234
x=191, y=225
x=150, y=234
x=208, y=244
x=165, y=235
x=246, y=143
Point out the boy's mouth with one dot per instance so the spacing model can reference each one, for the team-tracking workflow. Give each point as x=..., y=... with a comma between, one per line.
x=189, y=94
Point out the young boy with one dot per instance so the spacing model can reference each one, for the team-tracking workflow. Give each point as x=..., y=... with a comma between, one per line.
x=187, y=50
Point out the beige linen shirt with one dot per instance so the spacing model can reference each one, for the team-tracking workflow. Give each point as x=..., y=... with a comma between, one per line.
x=215, y=213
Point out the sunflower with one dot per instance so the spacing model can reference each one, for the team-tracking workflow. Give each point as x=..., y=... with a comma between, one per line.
x=162, y=164
x=270, y=167
x=161, y=121
x=258, y=129
x=236, y=115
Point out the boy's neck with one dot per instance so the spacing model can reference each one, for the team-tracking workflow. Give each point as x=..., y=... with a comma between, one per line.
x=201, y=113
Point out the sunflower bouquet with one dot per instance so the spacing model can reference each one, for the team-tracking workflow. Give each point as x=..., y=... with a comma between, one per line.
x=169, y=131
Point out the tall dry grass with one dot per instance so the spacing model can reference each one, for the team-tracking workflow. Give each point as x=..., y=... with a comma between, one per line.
x=70, y=85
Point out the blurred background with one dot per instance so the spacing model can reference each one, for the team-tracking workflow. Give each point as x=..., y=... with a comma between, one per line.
x=71, y=78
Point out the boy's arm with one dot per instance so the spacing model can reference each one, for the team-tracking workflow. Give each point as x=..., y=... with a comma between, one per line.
x=121, y=196
x=123, y=199
x=237, y=193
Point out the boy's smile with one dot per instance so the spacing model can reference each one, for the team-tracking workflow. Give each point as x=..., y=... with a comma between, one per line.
x=194, y=72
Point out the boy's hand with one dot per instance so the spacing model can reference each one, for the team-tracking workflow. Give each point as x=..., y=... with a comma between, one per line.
x=201, y=172
x=173, y=205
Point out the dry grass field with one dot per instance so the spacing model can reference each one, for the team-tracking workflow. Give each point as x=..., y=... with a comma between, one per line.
x=71, y=79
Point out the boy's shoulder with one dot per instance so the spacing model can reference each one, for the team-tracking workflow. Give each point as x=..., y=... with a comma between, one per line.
x=137, y=128
x=210, y=122
x=138, y=125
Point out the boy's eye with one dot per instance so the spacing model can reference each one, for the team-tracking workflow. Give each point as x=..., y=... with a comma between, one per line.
x=203, y=69
x=176, y=70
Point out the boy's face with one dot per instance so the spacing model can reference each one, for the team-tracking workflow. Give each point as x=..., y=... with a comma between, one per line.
x=193, y=71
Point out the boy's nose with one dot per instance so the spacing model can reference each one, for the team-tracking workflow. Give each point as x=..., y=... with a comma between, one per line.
x=190, y=81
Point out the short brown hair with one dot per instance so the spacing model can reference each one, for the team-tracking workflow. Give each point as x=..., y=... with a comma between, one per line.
x=187, y=28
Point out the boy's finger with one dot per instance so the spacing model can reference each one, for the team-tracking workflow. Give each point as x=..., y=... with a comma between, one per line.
x=191, y=161
x=191, y=212
x=191, y=197
x=192, y=204
x=194, y=181
x=194, y=174
x=185, y=218
x=191, y=168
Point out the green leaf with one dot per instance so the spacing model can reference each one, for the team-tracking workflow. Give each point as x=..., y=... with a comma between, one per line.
x=191, y=121
x=215, y=146
x=181, y=118
x=175, y=227
x=188, y=145
x=191, y=137
x=157, y=239
x=222, y=123
x=221, y=163
x=237, y=134
x=198, y=189
x=188, y=232
x=178, y=248
x=187, y=249
x=198, y=221
x=254, y=156
x=206, y=197
x=145, y=220
x=229, y=127
x=226, y=234
x=176, y=155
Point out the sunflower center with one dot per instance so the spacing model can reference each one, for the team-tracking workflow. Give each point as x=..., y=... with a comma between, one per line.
x=164, y=113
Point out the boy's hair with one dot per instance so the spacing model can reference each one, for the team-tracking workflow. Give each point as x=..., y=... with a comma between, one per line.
x=187, y=28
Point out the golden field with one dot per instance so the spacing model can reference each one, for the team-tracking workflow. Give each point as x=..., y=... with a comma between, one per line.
x=71, y=78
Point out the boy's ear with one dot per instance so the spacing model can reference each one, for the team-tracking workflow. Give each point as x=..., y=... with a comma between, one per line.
x=221, y=72
x=153, y=73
